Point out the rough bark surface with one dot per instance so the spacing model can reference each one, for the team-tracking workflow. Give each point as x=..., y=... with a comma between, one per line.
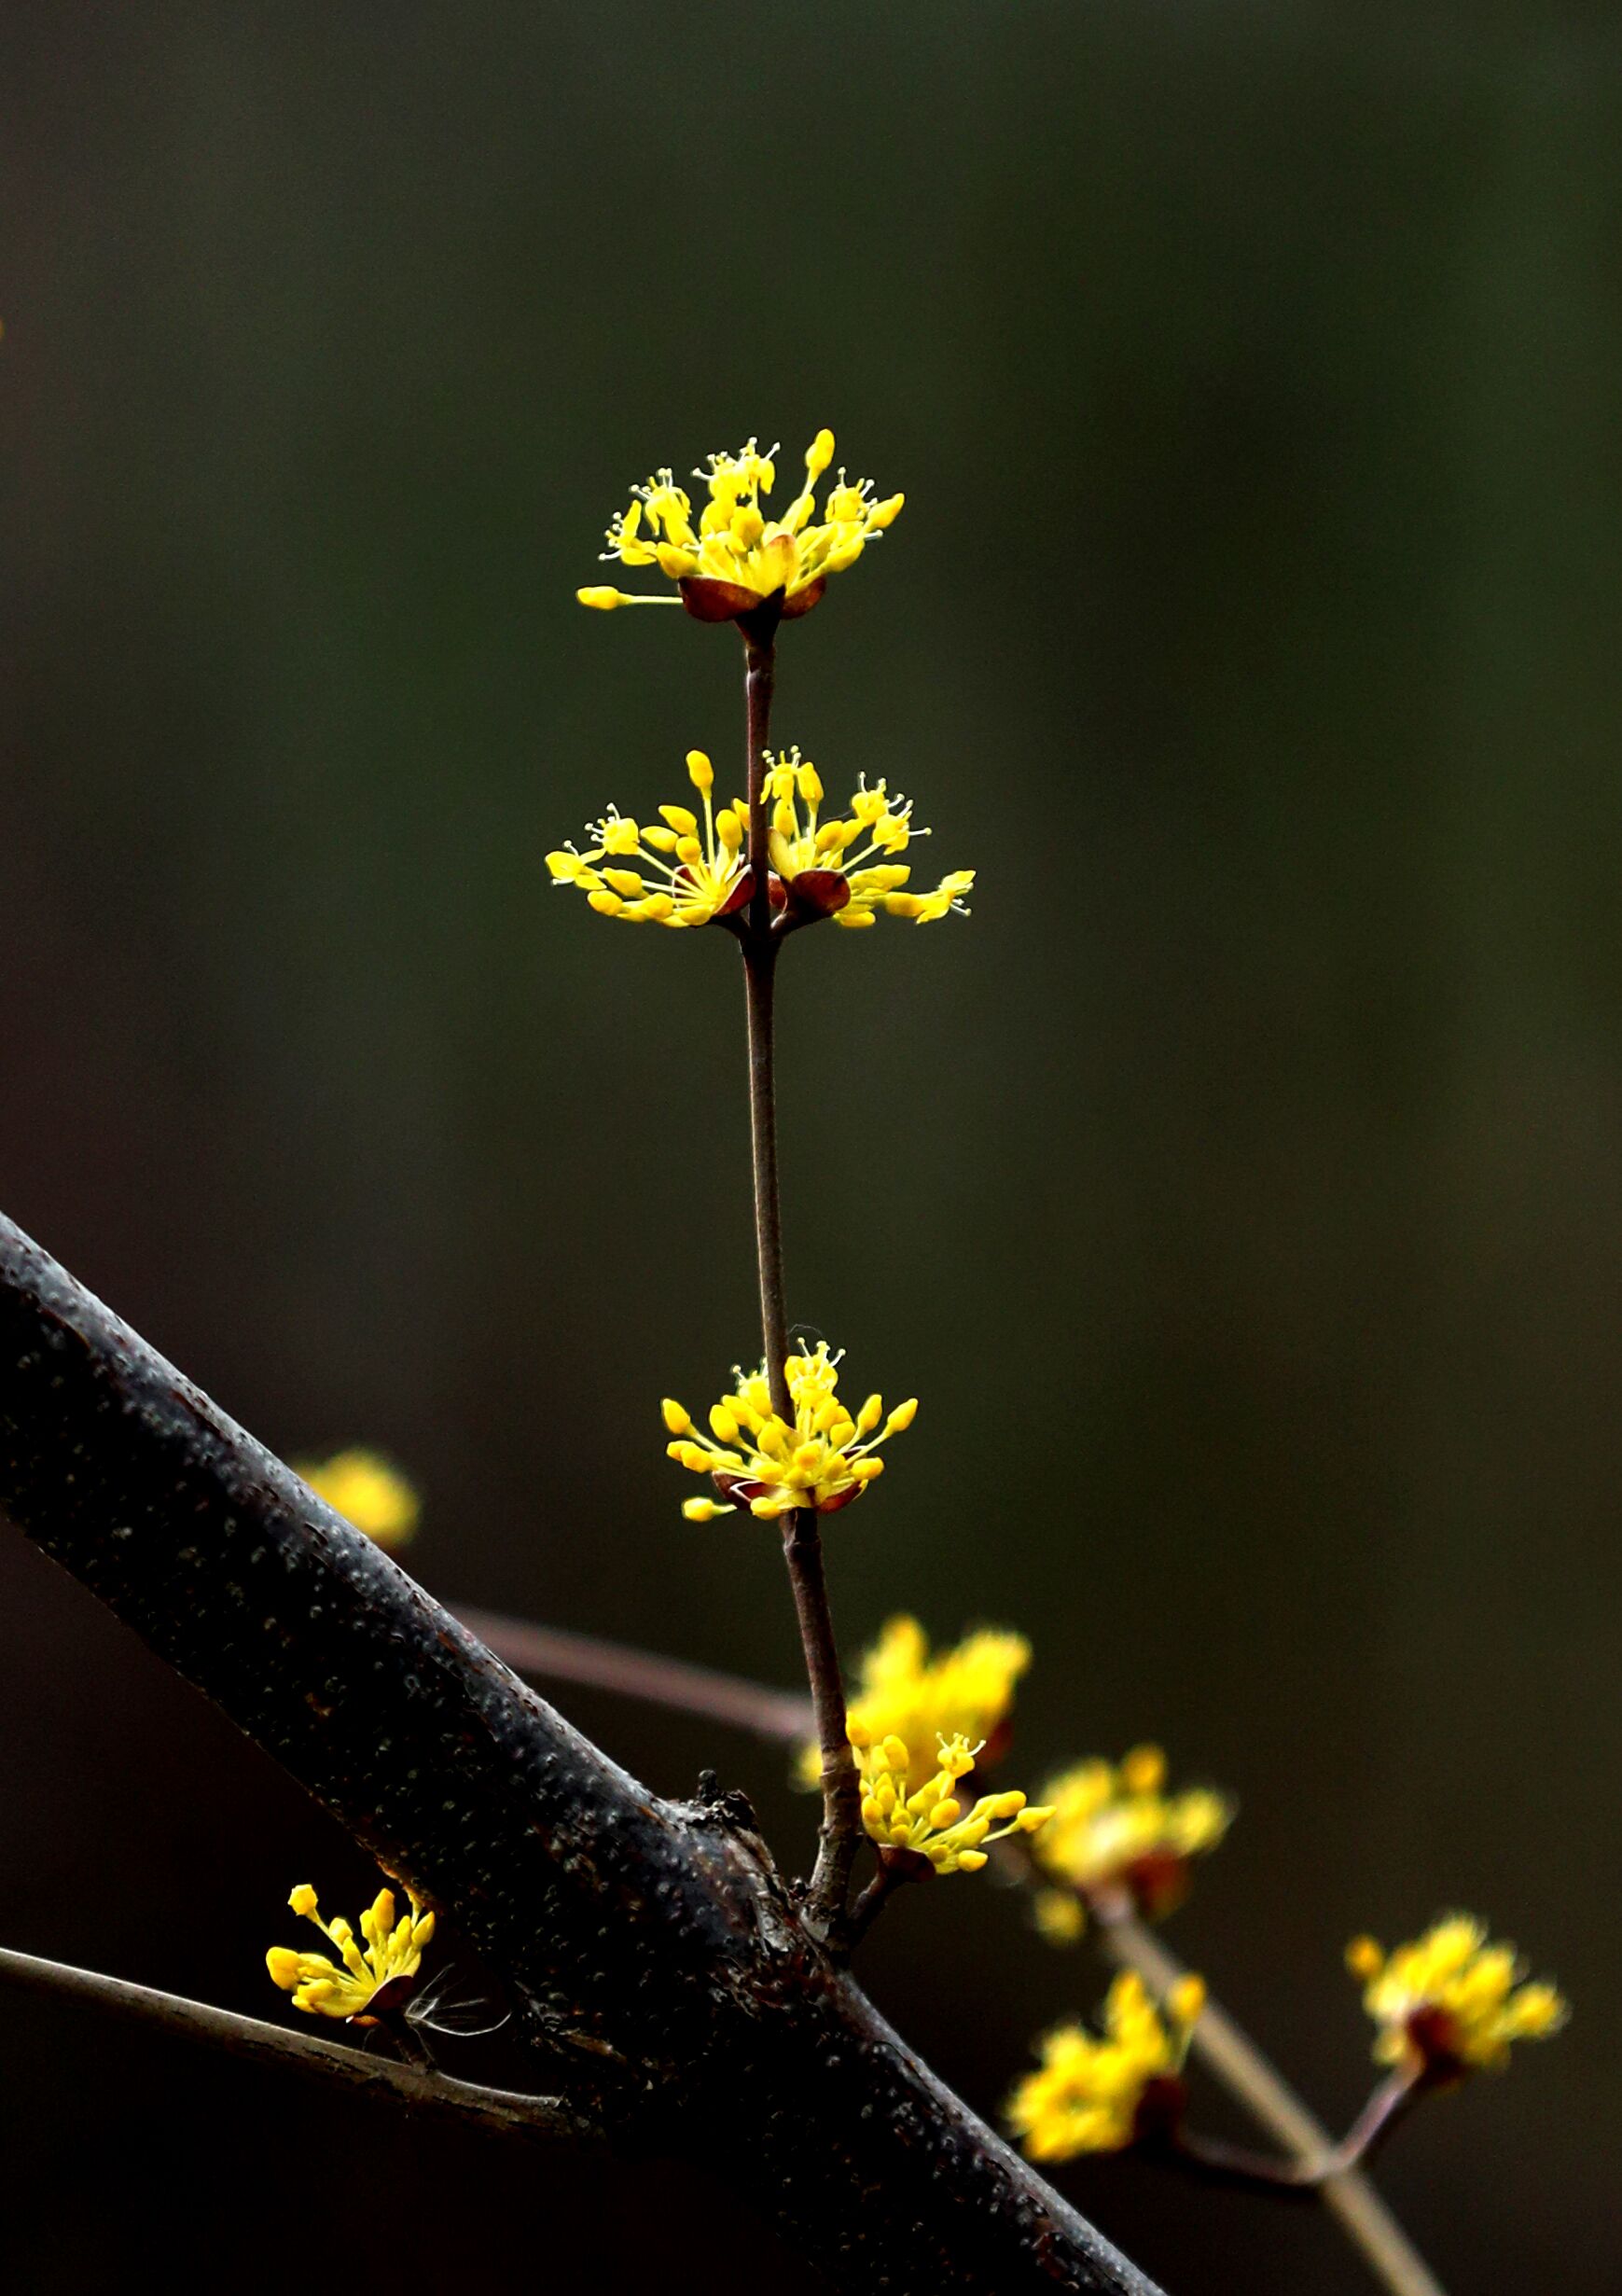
x=658, y=1961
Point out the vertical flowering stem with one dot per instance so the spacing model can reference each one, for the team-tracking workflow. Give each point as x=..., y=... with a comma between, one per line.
x=759, y=985
x=759, y=677
x=802, y=1547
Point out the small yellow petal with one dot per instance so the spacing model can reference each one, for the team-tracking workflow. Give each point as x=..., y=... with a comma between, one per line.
x=1061, y=1917
x=1187, y=1999
x=1365, y=1959
x=1144, y=1770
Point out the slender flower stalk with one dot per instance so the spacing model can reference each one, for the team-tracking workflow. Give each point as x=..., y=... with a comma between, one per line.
x=802, y=1545
x=741, y=567
x=759, y=681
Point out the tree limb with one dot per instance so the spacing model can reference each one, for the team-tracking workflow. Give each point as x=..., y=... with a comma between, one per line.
x=650, y=1942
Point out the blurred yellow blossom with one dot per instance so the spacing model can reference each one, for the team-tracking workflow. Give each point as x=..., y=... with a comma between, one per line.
x=760, y=1462
x=1116, y=1827
x=1094, y=2093
x=367, y=1491
x=364, y=1983
x=931, y=1823
x=1450, y=2002
x=848, y=867
x=1061, y=1917
x=965, y=1690
x=693, y=880
x=738, y=558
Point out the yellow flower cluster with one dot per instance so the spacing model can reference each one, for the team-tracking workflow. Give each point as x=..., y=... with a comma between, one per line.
x=364, y=1983
x=762, y=1463
x=965, y=1690
x=669, y=874
x=694, y=881
x=1097, y=2094
x=737, y=558
x=1450, y=2002
x=1117, y=1829
x=828, y=867
x=931, y=1823
x=364, y=1488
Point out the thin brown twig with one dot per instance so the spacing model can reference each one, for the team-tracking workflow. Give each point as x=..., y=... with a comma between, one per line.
x=506, y=2111
x=783, y=1716
x=1236, y=2061
x=841, y=1826
x=891, y=1874
x=1301, y=2178
x=759, y=985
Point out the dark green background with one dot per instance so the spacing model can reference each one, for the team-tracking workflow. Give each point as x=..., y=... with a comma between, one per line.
x=1238, y=1189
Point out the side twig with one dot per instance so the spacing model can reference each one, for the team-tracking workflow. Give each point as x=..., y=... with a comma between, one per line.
x=1300, y=2178
x=1233, y=2057
x=509, y=2112
x=783, y=1716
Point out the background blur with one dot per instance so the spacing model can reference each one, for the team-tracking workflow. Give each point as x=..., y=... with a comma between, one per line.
x=1238, y=1189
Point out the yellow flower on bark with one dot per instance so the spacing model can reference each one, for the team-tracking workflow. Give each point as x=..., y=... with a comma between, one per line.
x=964, y=1691
x=932, y=1823
x=848, y=865
x=1100, y=2092
x=664, y=874
x=367, y=1491
x=1450, y=2002
x=736, y=558
x=767, y=1467
x=358, y=1985
x=1116, y=1827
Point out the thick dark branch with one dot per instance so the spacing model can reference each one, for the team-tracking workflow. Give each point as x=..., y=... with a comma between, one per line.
x=648, y=1942
x=509, y=2112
